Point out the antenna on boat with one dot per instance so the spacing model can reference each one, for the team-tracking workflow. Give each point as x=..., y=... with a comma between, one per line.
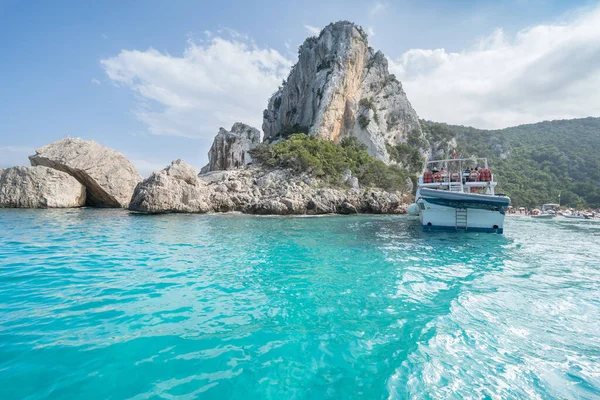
x=559, y=192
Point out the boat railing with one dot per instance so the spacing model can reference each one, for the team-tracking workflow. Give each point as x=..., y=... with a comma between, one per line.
x=467, y=162
x=461, y=166
x=458, y=174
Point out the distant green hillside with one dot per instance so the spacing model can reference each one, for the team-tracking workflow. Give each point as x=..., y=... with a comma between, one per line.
x=534, y=162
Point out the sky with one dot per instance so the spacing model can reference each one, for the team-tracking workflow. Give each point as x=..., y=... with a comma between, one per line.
x=156, y=80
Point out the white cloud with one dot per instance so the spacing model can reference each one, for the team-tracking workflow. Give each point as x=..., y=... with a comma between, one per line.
x=95, y=81
x=544, y=72
x=314, y=31
x=370, y=31
x=213, y=84
x=377, y=8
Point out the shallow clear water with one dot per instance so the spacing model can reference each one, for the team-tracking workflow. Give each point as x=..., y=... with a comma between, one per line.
x=106, y=304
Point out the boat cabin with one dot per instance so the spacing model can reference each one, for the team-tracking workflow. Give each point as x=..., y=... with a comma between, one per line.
x=465, y=175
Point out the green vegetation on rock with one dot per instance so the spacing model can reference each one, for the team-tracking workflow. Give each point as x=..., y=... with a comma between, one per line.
x=436, y=132
x=363, y=120
x=409, y=154
x=288, y=130
x=534, y=163
x=327, y=160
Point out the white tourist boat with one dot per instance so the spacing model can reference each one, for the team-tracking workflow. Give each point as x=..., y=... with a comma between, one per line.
x=577, y=216
x=544, y=213
x=459, y=194
x=543, y=216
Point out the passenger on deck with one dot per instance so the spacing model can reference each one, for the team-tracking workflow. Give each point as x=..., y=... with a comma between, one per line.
x=474, y=175
x=437, y=177
x=455, y=176
x=444, y=174
x=465, y=175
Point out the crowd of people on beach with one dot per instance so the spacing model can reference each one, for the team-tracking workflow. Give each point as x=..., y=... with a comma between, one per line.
x=592, y=213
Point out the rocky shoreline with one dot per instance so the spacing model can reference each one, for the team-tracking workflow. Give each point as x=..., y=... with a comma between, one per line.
x=339, y=88
x=74, y=173
x=71, y=172
x=177, y=188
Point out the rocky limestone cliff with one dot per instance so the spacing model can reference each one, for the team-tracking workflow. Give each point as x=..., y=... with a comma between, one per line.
x=252, y=191
x=108, y=176
x=340, y=86
x=230, y=148
x=39, y=187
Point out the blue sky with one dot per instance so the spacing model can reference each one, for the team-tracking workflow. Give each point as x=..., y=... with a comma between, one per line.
x=156, y=79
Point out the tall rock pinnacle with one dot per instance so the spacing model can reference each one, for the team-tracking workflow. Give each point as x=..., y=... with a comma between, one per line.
x=342, y=87
x=231, y=149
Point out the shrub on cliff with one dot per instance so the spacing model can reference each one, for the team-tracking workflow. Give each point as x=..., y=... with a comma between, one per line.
x=406, y=155
x=327, y=160
x=363, y=120
x=409, y=154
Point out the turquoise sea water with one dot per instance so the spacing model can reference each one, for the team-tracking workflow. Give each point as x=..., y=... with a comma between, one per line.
x=99, y=304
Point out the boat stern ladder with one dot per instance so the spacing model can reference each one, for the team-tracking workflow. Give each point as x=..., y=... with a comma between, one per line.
x=461, y=218
x=455, y=187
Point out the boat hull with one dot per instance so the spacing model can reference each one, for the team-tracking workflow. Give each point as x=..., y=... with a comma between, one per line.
x=440, y=218
x=442, y=210
x=576, y=217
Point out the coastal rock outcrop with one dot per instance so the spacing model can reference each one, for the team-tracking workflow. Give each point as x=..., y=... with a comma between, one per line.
x=230, y=149
x=39, y=187
x=253, y=191
x=107, y=175
x=339, y=87
x=283, y=192
x=174, y=189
